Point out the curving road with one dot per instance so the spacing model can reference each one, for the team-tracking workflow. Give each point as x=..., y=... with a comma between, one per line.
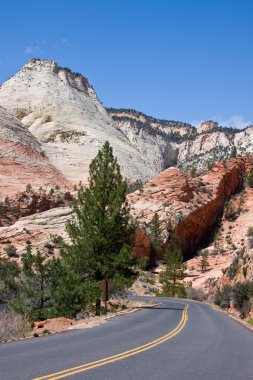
x=171, y=341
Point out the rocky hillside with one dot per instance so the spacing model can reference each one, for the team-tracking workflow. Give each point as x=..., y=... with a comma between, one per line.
x=62, y=111
x=22, y=160
x=181, y=144
x=230, y=251
x=174, y=129
x=193, y=205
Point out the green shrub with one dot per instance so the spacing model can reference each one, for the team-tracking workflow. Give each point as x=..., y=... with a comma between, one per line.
x=242, y=293
x=193, y=172
x=142, y=262
x=29, y=188
x=230, y=213
x=231, y=271
x=250, y=236
x=7, y=201
x=250, y=231
x=195, y=294
x=11, y=250
x=223, y=297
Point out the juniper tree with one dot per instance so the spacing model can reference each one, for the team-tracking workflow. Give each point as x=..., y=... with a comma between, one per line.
x=155, y=234
x=102, y=231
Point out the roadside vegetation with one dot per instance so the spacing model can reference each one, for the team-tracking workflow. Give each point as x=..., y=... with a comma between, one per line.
x=101, y=235
x=238, y=296
x=99, y=250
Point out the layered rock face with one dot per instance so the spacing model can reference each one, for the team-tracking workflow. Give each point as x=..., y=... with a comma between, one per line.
x=205, y=148
x=152, y=137
x=22, y=159
x=63, y=112
x=180, y=144
x=165, y=126
x=193, y=205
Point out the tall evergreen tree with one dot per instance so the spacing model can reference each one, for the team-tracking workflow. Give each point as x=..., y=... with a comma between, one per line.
x=102, y=230
x=155, y=234
x=172, y=277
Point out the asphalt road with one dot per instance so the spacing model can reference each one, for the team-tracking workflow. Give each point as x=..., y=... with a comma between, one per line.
x=166, y=342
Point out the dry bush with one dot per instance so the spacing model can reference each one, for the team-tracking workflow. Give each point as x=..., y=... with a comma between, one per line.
x=195, y=294
x=13, y=326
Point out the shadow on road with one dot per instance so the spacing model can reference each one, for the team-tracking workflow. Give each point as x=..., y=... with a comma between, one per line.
x=159, y=308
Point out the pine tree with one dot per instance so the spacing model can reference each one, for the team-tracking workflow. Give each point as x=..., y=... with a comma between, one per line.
x=155, y=234
x=172, y=277
x=217, y=239
x=9, y=273
x=203, y=264
x=35, y=298
x=102, y=232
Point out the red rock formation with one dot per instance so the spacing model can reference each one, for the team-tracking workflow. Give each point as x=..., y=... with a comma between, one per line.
x=31, y=202
x=142, y=246
x=192, y=205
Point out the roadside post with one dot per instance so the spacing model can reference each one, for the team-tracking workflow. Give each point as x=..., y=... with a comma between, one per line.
x=105, y=288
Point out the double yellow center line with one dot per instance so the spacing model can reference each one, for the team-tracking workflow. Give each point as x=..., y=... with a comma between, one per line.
x=122, y=355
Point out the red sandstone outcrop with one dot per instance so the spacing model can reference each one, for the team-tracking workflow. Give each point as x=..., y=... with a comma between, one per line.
x=32, y=202
x=193, y=205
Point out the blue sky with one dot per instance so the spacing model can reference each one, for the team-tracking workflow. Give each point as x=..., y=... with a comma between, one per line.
x=188, y=60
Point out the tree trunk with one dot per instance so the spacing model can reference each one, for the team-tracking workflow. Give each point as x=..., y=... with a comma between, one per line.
x=98, y=307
